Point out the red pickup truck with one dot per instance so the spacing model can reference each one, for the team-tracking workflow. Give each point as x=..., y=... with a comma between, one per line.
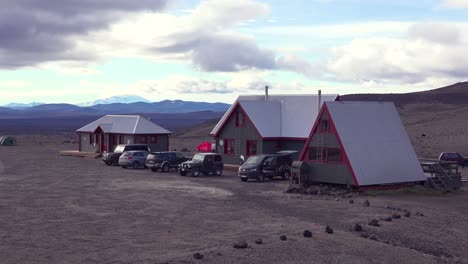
x=454, y=156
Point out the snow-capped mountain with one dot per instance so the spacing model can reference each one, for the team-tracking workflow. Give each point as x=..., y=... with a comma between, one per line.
x=21, y=106
x=121, y=99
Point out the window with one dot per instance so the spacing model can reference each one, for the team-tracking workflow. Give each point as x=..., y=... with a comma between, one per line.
x=251, y=147
x=334, y=154
x=325, y=126
x=153, y=139
x=121, y=139
x=91, y=139
x=179, y=156
x=218, y=158
x=325, y=154
x=143, y=139
x=316, y=153
x=239, y=118
x=229, y=146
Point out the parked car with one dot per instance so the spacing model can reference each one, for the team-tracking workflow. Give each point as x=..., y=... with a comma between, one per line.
x=202, y=163
x=165, y=160
x=264, y=166
x=454, y=156
x=112, y=158
x=133, y=158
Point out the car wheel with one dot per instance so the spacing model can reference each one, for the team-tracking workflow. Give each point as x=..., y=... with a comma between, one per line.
x=124, y=167
x=154, y=169
x=135, y=165
x=260, y=178
x=108, y=163
x=195, y=172
x=244, y=179
x=182, y=173
x=286, y=175
x=165, y=167
x=218, y=171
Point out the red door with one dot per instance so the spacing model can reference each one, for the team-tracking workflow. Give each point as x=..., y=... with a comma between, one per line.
x=103, y=143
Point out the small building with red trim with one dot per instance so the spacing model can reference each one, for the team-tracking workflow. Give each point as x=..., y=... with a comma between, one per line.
x=104, y=134
x=262, y=124
x=360, y=144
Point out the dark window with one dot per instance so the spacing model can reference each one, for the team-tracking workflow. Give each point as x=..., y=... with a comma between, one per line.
x=239, y=118
x=172, y=155
x=218, y=158
x=208, y=158
x=143, y=139
x=121, y=139
x=251, y=147
x=229, y=146
x=91, y=138
x=316, y=153
x=179, y=156
x=325, y=126
x=153, y=139
x=334, y=154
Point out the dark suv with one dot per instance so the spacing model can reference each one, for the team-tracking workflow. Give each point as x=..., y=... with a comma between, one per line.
x=454, y=156
x=165, y=160
x=202, y=163
x=264, y=166
x=112, y=158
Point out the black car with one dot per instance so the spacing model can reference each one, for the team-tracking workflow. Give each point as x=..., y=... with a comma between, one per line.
x=264, y=166
x=112, y=158
x=165, y=160
x=202, y=163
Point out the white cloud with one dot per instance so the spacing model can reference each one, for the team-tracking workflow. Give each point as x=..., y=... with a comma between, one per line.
x=430, y=52
x=455, y=3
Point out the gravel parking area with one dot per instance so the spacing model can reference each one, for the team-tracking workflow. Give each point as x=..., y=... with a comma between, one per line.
x=57, y=209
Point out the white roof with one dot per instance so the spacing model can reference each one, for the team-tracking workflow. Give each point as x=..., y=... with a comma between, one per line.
x=124, y=124
x=281, y=116
x=376, y=143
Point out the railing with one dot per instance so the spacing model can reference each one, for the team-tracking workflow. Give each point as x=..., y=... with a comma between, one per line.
x=440, y=172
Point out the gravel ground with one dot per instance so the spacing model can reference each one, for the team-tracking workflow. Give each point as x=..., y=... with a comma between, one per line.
x=77, y=210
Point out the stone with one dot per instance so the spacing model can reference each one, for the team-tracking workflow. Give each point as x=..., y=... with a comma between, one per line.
x=198, y=255
x=388, y=219
x=373, y=238
x=357, y=228
x=419, y=214
x=364, y=235
x=241, y=244
x=396, y=216
x=259, y=241
x=283, y=237
x=407, y=214
x=307, y=233
x=328, y=230
x=351, y=201
x=336, y=199
x=366, y=203
x=374, y=222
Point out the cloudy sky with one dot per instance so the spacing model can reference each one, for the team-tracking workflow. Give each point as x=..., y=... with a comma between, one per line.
x=212, y=50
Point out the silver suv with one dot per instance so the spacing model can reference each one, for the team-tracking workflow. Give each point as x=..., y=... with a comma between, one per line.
x=134, y=159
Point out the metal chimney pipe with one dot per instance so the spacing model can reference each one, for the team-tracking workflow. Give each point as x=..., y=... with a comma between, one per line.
x=266, y=93
x=319, y=100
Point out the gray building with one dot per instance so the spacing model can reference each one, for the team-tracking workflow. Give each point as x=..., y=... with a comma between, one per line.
x=261, y=124
x=108, y=131
x=360, y=144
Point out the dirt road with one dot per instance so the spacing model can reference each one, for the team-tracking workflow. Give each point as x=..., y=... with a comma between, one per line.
x=76, y=210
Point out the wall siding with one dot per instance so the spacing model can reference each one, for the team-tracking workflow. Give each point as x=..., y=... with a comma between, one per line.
x=247, y=132
x=160, y=145
x=330, y=173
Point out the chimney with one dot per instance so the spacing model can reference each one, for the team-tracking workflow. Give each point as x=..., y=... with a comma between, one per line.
x=266, y=93
x=319, y=100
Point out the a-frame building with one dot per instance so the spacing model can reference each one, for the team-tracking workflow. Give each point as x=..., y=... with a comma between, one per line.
x=360, y=144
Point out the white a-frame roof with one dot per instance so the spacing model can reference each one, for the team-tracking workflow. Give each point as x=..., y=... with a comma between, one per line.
x=376, y=143
x=124, y=124
x=281, y=116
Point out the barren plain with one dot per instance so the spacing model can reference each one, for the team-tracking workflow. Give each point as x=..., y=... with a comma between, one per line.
x=57, y=209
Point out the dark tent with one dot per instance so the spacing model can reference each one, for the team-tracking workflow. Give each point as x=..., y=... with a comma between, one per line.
x=7, y=141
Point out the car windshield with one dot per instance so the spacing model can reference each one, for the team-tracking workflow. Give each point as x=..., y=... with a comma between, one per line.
x=119, y=149
x=254, y=160
x=198, y=157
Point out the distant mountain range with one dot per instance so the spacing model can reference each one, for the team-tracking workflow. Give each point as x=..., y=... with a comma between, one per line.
x=21, y=106
x=121, y=99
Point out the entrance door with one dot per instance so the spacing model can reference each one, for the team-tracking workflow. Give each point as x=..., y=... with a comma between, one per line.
x=103, y=143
